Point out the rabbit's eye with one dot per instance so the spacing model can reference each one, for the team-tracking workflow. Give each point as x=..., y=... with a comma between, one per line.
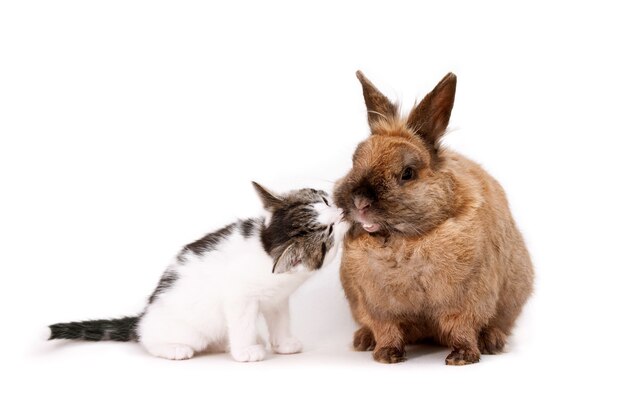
x=408, y=174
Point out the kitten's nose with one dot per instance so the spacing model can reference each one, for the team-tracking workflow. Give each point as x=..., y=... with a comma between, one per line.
x=362, y=203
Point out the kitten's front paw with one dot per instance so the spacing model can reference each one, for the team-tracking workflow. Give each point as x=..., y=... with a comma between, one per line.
x=288, y=346
x=253, y=353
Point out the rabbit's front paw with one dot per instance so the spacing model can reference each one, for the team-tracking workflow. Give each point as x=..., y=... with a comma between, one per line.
x=463, y=357
x=491, y=341
x=363, y=340
x=389, y=355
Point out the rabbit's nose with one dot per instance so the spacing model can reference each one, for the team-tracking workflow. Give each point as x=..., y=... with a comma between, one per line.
x=362, y=203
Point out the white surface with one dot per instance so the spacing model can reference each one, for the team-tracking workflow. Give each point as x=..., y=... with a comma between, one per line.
x=129, y=128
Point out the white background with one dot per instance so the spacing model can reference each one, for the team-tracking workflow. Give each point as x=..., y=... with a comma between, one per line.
x=129, y=128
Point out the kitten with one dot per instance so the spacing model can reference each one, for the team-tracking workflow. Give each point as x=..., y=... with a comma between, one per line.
x=212, y=293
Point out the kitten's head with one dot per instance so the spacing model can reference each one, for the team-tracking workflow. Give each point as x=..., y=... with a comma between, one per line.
x=303, y=229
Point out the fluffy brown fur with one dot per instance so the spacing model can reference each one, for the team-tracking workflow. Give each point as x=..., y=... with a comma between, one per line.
x=433, y=252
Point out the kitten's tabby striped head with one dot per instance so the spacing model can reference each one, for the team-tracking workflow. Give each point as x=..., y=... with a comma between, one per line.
x=303, y=230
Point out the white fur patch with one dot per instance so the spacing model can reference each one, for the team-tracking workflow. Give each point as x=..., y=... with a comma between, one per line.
x=46, y=333
x=327, y=215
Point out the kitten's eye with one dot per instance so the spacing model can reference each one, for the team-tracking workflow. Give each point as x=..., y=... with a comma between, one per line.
x=408, y=174
x=326, y=201
x=330, y=229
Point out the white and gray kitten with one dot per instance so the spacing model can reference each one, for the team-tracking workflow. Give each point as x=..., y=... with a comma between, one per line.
x=210, y=296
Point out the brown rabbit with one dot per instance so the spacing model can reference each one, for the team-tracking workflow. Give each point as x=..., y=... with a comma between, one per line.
x=433, y=252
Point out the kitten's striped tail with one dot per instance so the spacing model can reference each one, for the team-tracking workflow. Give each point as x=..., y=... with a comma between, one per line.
x=122, y=330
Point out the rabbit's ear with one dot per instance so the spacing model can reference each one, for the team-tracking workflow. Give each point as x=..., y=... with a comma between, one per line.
x=430, y=118
x=378, y=106
x=270, y=201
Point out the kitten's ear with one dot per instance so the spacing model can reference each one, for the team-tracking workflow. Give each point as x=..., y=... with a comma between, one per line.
x=378, y=106
x=289, y=259
x=270, y=200
x=430, y=118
